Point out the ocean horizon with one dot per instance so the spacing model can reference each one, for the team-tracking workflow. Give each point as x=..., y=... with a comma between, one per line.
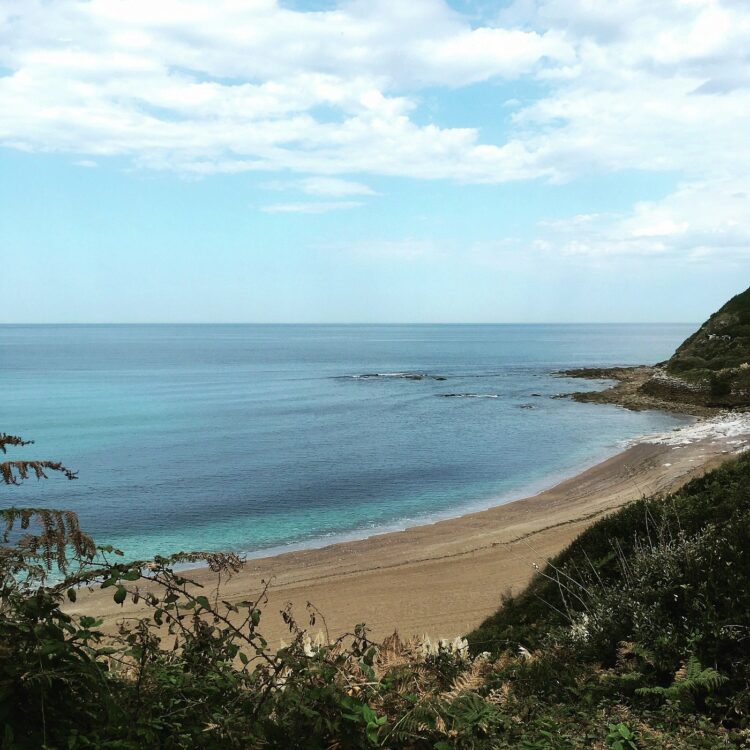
x=263, y=438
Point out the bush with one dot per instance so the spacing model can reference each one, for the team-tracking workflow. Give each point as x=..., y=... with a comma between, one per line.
x=635, y=636
x=669, y=576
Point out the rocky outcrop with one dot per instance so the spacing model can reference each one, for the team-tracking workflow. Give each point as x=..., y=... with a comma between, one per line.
x=668, y=387
x=710, y=370
x=633, y=390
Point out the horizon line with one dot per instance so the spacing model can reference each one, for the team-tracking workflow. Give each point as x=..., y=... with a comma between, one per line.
x=354, y=323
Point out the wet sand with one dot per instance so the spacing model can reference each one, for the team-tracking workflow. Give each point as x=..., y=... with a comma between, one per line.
x=444, y=578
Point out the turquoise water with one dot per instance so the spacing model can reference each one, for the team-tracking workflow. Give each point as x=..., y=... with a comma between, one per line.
x=260, y=438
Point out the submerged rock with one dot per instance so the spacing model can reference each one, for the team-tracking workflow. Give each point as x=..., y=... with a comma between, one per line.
x=468, y=395
x=396, y=376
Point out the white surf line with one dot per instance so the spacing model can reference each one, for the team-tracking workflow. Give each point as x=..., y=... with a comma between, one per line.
x=732, y=429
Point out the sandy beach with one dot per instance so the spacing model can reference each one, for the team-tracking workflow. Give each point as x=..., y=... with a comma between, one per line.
x=444, y=578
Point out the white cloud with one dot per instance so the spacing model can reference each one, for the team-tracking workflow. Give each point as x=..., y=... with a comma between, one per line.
x=697, y=220
x=311, y=207
x=230, y=86
x=334, y=187
x=655, y=87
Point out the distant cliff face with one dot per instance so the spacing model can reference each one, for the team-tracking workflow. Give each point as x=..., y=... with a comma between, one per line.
x=713, y=365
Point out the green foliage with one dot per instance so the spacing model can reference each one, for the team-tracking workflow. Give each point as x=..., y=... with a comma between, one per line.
x=654, y=599
x=707, y=517
x=641, y=627
x=720, y=383
x=716, y=355
x=691, y=680
x=621, y=738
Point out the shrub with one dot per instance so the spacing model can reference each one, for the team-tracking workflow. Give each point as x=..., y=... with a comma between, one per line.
x=635, y=636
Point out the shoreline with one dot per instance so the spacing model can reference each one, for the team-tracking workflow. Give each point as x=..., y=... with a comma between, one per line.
x=526, y=491
x=445, y=577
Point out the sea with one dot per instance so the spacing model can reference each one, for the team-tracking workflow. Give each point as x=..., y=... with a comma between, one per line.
x=266, y=438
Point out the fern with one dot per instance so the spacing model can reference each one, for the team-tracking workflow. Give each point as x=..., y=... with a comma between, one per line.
x=690, y=680
x=470, y=712
x=14, y=440
x=424, y=717
x=469, y=681
x=58, y=530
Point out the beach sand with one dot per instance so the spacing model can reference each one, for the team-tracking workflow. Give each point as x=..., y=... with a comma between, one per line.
x=444, y=578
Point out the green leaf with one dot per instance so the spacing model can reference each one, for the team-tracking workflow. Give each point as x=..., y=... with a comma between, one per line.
x=203, y=601
x=72, y=594
x=120, y=595
x=372, y=733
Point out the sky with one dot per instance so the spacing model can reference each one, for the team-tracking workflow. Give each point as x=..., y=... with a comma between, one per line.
x=362, y=161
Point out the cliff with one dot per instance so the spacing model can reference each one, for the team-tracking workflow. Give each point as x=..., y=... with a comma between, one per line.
x=713, y=365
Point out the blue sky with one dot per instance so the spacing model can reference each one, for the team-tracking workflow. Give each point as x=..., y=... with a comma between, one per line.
x=255, y=161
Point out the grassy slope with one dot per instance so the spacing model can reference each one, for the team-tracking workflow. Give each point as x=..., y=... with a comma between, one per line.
x=655, y=592
x=715, y=353
x=722, y=341
x=720, y=499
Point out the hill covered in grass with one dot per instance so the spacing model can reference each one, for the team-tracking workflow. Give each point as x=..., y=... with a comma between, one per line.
x=723, y=341
x=717, y=356
x=710, y=370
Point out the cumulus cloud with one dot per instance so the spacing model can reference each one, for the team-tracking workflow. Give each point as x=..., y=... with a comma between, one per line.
x=231, y=86
x=699, y=219
x=655, y=87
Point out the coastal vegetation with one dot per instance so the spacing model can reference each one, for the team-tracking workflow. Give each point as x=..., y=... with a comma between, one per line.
x=716, y=358
x=709, y=371
x=636, y=636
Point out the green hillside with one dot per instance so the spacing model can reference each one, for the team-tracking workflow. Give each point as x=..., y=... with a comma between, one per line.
x=638, y=608
x=717, y=355
x=723, y=341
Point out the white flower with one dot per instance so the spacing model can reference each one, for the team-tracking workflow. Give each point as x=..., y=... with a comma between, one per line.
x=426, y=647
x=524, y=653
x=579, y=630
x=459, y=646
